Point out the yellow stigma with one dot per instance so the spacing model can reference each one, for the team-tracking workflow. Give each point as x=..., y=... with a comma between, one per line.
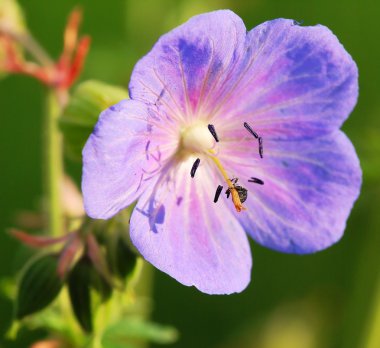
x=234, y=194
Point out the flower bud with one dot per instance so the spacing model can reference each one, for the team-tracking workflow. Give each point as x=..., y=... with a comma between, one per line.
x=11, y=17
x=81, y=114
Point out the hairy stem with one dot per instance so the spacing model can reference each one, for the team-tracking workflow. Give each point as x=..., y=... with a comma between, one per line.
x=53, y=164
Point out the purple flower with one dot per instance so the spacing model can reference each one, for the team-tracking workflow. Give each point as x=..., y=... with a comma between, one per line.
x=207, y=103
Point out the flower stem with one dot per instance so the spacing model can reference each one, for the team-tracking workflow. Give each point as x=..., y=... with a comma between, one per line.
x=53, y=164
x=372, y=337
x=30, y=44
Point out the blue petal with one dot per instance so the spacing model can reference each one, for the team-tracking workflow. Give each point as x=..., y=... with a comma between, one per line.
x=309, y=190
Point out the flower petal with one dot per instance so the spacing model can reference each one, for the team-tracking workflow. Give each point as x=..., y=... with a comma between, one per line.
x=187, y=63
x=294, y=81
x=182, y=232
x=124, y=151
x=308, y=192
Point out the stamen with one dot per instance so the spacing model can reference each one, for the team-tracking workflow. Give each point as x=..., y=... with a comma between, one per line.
x=217, y=193
x=260, y=139
x=211, y=128
x=235, y=196
x=256, y=181
x=194, y=167
x=146, y=150
x=250, y=130
x=261, y=149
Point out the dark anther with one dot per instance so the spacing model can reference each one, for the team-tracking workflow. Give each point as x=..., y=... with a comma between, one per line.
x=261, y=149
x=146, y=150
x=211, y=128
x=260, y=139
x=217, y=193
x=194, y=167
x=250, y=130
x=298, y=22
x=256, y=181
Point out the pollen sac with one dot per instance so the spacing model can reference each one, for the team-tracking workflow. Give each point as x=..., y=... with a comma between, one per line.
x=212, y=130
x=217, y=193
x=256, y=181
x=194, y=167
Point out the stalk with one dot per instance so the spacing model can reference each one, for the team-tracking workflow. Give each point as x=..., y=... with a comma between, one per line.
x=53, y=170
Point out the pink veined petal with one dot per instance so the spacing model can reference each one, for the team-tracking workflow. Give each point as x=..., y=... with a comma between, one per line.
x=185, y=66
x=309, y=190
x=182, y=232
x=125, y=150
x=294, y=82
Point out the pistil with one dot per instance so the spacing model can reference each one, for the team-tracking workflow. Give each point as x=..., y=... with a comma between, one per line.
x=234, y=194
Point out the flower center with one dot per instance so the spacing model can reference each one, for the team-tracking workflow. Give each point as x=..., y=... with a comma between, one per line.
x=197, y=138
x=200, y=139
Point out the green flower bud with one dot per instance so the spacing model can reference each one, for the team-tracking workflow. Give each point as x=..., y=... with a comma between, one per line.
x=81, y=114
x=39, y=285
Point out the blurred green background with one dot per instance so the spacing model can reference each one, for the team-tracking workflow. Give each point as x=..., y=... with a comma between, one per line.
x=325, y=300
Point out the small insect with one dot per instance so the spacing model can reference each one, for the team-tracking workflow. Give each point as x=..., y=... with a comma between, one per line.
x=242, y=192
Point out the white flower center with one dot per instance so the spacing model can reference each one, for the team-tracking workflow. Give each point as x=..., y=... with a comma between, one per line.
x=197, y=138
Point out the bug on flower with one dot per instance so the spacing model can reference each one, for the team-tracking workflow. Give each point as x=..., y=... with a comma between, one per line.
x=209, y=92
x=242, y=192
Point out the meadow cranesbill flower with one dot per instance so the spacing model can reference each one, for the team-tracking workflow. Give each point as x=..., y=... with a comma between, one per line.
x=229, y=132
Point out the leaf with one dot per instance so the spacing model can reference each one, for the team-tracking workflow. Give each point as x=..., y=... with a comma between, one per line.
x=81, y=114
x=121, y=259
x=39, y=285
x=128, y=333
x=79, y=292
x=101, y=285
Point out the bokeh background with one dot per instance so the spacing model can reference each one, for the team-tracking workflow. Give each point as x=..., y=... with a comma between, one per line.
x=329, y=299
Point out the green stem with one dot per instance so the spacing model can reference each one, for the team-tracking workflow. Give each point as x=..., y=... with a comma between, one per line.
x=30, y=44
x=372, y=336
x=53, y=164
x=363, y=304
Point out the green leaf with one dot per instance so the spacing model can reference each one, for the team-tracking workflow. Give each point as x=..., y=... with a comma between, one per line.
x=121, y=259
x=81, y=114
x=101, y=285
x=129, y=333
x=79, y=292
x=39, y=285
